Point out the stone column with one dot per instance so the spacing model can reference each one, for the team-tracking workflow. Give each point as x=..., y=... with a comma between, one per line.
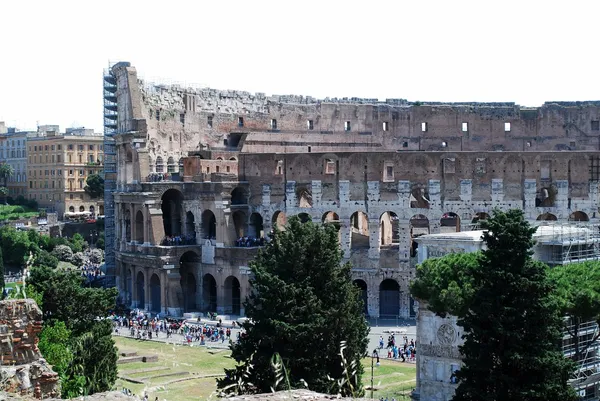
x=147, y=292
x=163, y=292
x=134, y=291
x=221, y=297
x=373, y=297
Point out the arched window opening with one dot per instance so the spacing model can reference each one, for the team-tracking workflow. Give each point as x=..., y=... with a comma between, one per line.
x=419, y=198
x=304, y=217
x=139, y=227
x=239, y=196
x=546, y=217
x=478, y=219
x=72, y=209
x=82, y=208
x=450, y=223
x=279, y=220
x=579, y=216
x=141, y=296
x=304, y=197
x=180, y=166
x=172, y=209
x=190, y=226
x=240, y=223
x=359, y=230
x=419, y=225
x=160, y=167
x=389, y=229
x=232, y=296
x=389, y=299
x=209, y=225
x=256, y=229
x=155, y=294
x=127, y=226
x=209, y=293
x=546, y=197
x=171, y=165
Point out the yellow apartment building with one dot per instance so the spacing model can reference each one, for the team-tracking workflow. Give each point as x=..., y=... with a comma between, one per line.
x=58, y=167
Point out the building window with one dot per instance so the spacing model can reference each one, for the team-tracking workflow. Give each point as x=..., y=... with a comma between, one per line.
x=347, y=126
x=182, y=118
x=91, y=158
x=80, y=147
x=80, y=184
x=52, y=158
x=59, y=147
x=506, y=127
x=46, y=147
x=240, y=121
x=329, y=166
x=70, y=172
x=58, y=158
x=46, y=172
x=386, y=126
x=423, y=127
x=159, y=165
x=91, y=147
x=52, y=147
x=71, y=197
x=228, y=169
x=70, y=146
x=389, y=173
x=273, y=123
x=81, y=172
x=595, y=125
x=209, y=121
x=310, y=124
x=35, y=148
x=30, y=184
x=170, y=165
x=59, y=172
x=465, y=127
x=157, y=115
x=279, y=169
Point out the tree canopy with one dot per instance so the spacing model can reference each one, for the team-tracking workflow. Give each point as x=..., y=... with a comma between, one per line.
x=94, y=186
x=6, y=171
x=305, y=310
x=512, y=321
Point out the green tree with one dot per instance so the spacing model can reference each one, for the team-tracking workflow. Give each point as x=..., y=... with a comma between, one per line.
x=94, y=186
x=100, y=240
x=4, y=194
x=16, y=245
x=302, y=307
x=6, y=171
x=513, y=324
x=2, y=284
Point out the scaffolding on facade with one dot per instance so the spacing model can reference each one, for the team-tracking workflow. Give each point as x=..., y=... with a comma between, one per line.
x=571, y=242
x=110, y=168
x=584, y=352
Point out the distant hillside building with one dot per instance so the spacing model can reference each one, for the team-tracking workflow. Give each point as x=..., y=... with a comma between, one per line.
x=13, y=151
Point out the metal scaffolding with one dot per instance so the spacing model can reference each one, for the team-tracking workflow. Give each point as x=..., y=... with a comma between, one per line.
x=564, y=243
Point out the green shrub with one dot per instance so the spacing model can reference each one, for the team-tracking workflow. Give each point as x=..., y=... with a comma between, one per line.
x=18, y=209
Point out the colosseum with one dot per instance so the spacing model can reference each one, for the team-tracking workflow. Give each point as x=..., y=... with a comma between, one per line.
x=204, y=175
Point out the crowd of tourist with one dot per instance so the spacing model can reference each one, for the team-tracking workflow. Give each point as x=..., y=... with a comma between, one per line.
x=405, y=351
x=249, y=242
x=178, y=240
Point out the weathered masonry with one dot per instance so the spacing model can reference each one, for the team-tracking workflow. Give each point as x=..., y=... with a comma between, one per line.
x=204, y=175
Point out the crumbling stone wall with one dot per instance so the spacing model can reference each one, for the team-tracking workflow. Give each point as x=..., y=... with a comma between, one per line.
x=23, y=370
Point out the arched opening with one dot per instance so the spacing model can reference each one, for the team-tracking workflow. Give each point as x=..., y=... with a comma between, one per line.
x=209, y=293
x=187, y=264
x=160, y=166
x=190, y=226
x=545, y=197
x=233, y=159
x=359, y=230
x=239, y=196
x=127, y=226
x=450, y=223
x=389, y=229
x=419, y=225
x=389, y=298
x=92, y=209
x=256, y=229
x=304, y=217
x=72, y=209
x=240, y=223
x=155, y=294
x=209, y=225
x=279, y=220
x=180, y=163
x=141, y=296
x=139, y=227
x=579, y=216
x=232, y=295
x=363, y=294
x=101, y=210
x=478, y=219
x=546, y=217
x=128, y=287
x=172, y=206
x=82, y=208
x=170, y=165
x=419, y=197
x=304, y=197
x=333, y=219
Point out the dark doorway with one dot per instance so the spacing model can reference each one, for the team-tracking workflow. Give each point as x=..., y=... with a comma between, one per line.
x=389, y=299
x=209, y=293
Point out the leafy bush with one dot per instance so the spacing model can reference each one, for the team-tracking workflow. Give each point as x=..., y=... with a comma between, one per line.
x=18, y=209
x=96, y=256
x=63, y=253
x=78, y=259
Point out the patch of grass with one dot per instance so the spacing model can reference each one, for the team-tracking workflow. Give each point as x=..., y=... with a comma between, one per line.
x=391, y=379
x=13, y=212
x=13, y=285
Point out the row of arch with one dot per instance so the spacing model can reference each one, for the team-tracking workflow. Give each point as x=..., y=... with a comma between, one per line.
x=82, y=209
x=389, y=298
x=172, y=167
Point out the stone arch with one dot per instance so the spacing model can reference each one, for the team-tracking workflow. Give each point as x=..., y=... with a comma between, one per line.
x=140, y=287
x=155, y=293
x=578, y=216
x=362, y=286
x=172, y=208
x=450, y=223
x=304, y=217
x=359, y=230
x=478, y=219
x=187, y=263
x=301, y=166
x=233, y=159
x=279, y=220
x=419, y=225
x=304, y=197
x=256, y=228
x=127, y=217
x=190, y=224
x=220, y=158
x=546, y=217
x=419, y=196
x=546, y=196
x=171, y=165
x=209, y=293
x=233, y=301
x=240, y=223
x=82, y=208
x=389, y=298
x=180, y=164
x=209, y=225
x=139, y=227
x=239, y=196
x=72, y=209
x=333, y=219
x=160, y=165
x=389, y=229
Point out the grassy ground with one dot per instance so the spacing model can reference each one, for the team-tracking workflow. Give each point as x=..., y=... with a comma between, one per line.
x=391, y=379
x=7, y=212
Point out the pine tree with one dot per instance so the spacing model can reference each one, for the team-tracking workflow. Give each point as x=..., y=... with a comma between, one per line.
x=513, y=326
x=302, y=308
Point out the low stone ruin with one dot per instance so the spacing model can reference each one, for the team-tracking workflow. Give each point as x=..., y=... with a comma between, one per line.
x=23, y=370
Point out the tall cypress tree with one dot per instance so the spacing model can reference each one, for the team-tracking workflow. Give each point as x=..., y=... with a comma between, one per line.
x=303, y=307
x=513, y=326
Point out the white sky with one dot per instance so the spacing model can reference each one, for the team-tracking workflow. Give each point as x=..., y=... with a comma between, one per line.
x=528, y=52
